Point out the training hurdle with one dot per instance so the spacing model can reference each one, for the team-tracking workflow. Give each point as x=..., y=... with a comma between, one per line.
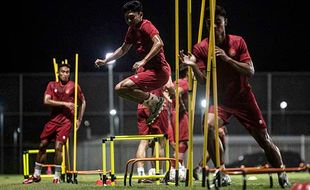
x=112, y=140
x=255, y=170
x=135, y=160
x=26, y=154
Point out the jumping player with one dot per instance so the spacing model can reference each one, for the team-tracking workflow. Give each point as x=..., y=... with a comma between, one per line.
x=145, y=38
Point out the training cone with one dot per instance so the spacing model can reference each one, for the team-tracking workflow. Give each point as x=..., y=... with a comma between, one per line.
x=99, y=182
x=49, y=170
x=108, y=182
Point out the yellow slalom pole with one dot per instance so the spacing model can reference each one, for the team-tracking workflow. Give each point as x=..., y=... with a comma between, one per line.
x=214, y=80
x=55, y=69
x=207, y=94
x=190, y=97
x=75, y=111
x=177, y=92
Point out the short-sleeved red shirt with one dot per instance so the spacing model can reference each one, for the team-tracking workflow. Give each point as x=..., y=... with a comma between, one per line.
x=231, y=84
x=141, y=39
x=65, y=93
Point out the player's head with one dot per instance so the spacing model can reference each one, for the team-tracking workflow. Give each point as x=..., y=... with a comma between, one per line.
x=133, y=12
x=64, y=72
x=220, y=23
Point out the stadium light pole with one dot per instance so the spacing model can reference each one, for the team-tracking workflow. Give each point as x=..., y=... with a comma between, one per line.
x=112, y=111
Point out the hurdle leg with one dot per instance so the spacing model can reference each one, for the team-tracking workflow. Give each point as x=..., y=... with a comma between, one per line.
x=244, y=180
x=112, y=162
x=104, y=161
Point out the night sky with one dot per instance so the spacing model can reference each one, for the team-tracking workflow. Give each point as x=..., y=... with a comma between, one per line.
x=34, y=32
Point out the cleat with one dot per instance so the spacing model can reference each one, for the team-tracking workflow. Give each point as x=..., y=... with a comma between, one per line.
x=56, y=181
x=32, y=179
x=221, y=179
x=196, y=173
x=283, y=180
x=156, y=111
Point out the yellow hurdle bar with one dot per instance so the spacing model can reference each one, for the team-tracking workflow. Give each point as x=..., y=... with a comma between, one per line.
x=138, y=137
x=37, y=151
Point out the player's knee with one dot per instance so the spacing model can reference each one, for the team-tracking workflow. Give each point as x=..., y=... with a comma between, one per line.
x=43, y=146
x=183, y=147
x=58, y=148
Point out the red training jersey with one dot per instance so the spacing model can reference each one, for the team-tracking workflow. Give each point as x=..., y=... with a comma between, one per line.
x=232, y=86
x=141, y=38
x=60, y=92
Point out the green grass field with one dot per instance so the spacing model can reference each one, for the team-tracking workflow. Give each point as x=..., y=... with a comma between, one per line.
x=259, y=181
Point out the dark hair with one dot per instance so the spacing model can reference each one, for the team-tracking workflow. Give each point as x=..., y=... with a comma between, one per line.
x=134, y=6
x=218, y=11
x=64, y=65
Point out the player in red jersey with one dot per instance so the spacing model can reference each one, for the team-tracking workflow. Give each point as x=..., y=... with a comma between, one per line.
x=159, y=126
x=234, y=67
x=183, y=122
x=145, y=38
x=183, y=115
x=60, y=97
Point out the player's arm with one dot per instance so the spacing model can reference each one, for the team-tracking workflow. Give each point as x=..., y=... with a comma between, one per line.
x=157, y=45
x=118, y=53
x=49, y=102
x=246, y=68
x=81, y=112
x=190, y=60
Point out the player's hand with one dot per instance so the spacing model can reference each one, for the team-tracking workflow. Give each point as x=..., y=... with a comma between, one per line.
x=220, y=53
x=188, y=60
x=99, y=62
x=78, y=124
x=138, y=64
x=69, y=105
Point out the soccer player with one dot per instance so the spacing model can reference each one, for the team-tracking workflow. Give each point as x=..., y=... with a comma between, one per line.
x=145, y=38
x=59, y=96
x=159, y=126
x=236, y=98
x=183, y=115
x=183, y=120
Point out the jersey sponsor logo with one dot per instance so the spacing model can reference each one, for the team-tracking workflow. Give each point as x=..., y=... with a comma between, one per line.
x=232, y=52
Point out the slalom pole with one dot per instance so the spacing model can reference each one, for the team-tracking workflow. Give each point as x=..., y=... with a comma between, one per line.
x=55, y=69
x=214, y=80
x=75, y=111
x=177, y=92
x=189, y=176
